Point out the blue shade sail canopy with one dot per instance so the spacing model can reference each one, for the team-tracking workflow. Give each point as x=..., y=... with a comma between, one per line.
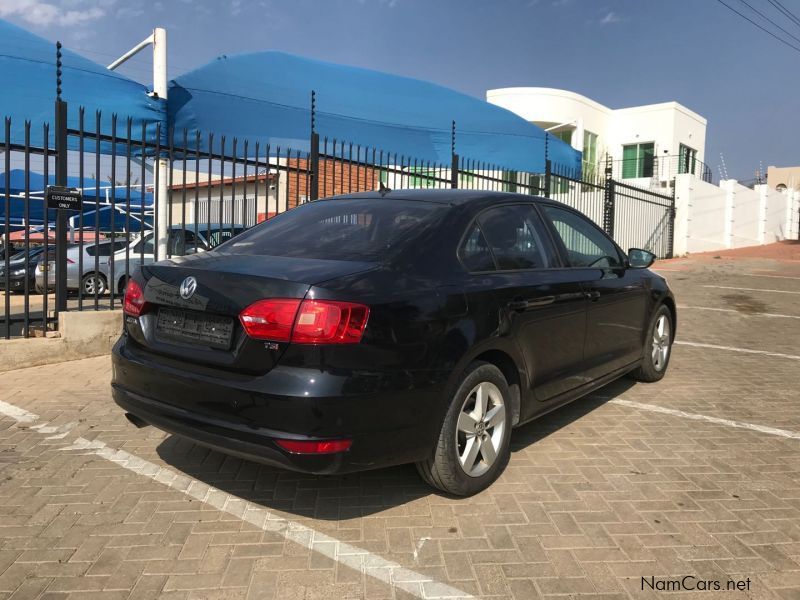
x=266, y=97
x=28, y=72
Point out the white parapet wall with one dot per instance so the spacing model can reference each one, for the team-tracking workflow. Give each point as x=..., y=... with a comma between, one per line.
x=729, y=215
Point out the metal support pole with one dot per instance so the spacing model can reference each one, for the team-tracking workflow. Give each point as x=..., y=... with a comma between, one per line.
x=159, y=41
x=61, y=180
x=160, y=90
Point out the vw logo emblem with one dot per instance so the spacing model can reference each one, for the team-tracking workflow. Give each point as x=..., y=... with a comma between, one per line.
x=188, y=286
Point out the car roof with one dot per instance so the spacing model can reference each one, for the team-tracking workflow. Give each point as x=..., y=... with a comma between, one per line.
x=444, y=196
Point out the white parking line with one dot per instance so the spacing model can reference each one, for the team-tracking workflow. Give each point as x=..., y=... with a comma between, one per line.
x=735, y=349
x=20, y=415
x=697, y=417
x=745, y=289
x=416, y=584
x=771, y=276
x=732, y=310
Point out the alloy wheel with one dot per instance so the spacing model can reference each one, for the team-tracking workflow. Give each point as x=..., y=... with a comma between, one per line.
x=481, y=425
x=661, y=342
x=93, y=285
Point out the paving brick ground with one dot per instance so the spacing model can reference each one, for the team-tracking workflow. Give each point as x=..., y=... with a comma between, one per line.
x=597, y=495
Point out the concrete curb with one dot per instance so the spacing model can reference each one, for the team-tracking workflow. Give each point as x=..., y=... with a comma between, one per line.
x=82, y=335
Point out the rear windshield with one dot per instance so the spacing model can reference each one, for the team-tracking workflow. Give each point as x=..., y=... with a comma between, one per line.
x=363, y=229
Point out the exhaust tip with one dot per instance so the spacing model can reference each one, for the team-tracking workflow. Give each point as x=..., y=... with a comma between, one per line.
x=139, y=423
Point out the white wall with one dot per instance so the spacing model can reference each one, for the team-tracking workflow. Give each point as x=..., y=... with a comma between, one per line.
x=667, y=125
x=710, y=217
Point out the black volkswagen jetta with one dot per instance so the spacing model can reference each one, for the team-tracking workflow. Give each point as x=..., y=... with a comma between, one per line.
x=371, y=330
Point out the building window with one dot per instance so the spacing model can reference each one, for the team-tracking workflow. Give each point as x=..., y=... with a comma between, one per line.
x=637, y=160
x=686, y=159
x=589, y=154
x=565, y=135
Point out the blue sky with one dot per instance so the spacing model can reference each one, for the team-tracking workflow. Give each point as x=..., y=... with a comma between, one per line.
x=619, y=52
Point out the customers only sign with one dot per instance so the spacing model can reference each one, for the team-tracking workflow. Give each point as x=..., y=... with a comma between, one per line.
x=63, y=197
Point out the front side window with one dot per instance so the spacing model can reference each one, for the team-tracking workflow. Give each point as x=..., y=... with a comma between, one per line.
x=586, y=245
x=638, y=160
x=514, y=238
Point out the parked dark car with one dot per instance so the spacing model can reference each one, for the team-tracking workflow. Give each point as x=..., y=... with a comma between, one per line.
x=366, y=330
x=20, y=270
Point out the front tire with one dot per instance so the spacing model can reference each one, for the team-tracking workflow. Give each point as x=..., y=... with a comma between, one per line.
x=473, y=445
x=657, y=347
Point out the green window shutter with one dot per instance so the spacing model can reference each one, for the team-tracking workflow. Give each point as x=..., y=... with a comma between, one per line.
x=565, y=135
x=646, y=156
x=629, y=161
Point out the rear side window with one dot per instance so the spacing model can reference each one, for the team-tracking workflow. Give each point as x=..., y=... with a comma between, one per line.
x=217, y=237
x=103, y=249
x=144, y=246
x=515, y=237
x=362, y=229
x=474, y=252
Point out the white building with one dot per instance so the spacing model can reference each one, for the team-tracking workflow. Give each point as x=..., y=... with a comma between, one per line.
x=649, y=144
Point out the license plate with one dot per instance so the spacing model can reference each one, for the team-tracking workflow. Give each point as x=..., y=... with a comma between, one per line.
x=194, y=328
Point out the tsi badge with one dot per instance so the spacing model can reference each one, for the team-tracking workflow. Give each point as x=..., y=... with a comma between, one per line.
x=188, y=286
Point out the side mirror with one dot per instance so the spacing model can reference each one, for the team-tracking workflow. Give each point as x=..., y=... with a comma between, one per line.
x=640, y=259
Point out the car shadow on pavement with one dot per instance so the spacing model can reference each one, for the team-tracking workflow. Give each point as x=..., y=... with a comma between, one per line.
x=547, y=424
x=355, y=495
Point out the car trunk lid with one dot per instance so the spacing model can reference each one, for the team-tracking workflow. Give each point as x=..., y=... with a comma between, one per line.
x=194, y=304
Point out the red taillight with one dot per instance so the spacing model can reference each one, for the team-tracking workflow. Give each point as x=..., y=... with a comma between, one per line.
x=134, y=303
x=270, y=319
x=314, y=447
x=306, y=322
x=329, y=322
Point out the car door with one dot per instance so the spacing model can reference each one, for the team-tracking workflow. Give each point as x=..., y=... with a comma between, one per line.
x=542, y=309
x=616, y=296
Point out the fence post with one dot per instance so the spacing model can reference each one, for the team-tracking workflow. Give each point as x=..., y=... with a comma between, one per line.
x=671, y=224
x=313, y=159
x=548, y=174
x=454, y=162
x=314, y=166
x=61, y=180
x=608, y=203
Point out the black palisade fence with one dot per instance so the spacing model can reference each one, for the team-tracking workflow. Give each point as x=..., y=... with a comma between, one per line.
x=216, y=186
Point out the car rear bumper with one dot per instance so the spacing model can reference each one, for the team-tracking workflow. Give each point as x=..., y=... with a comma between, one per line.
x=244, y=416
x=16, y=283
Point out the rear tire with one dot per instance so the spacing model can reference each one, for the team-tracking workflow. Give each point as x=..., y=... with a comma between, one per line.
x=92, y=282
x=473, y=445
x=657, y=347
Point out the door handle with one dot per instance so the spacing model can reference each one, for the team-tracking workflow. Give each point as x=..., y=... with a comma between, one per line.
x=521, y=305
x=541, y=301
x=592, y=295
x=517, y=305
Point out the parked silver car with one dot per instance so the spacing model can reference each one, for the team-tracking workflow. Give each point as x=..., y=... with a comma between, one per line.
x=182, y=240
x=81, y=271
